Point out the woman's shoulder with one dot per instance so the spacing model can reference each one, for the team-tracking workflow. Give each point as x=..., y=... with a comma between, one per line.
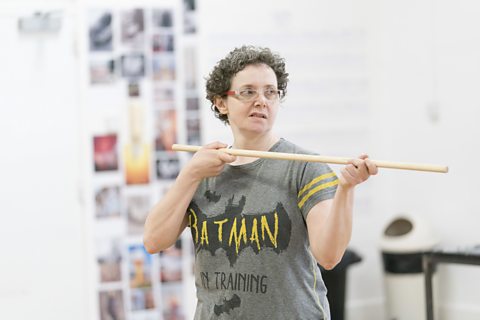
x=287, y=146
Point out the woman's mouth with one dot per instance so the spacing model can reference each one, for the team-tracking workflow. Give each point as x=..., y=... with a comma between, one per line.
x=258, y=115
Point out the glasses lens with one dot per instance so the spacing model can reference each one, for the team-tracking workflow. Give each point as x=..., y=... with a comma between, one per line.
x=251, y=94
x=271, y=94
x=248, y=94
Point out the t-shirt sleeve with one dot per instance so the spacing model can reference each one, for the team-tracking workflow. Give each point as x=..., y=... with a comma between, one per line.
x=318, y=182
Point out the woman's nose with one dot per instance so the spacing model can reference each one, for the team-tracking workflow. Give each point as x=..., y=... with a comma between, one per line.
x=261, y=99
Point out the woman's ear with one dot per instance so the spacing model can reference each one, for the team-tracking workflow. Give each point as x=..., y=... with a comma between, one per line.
x=221, y=105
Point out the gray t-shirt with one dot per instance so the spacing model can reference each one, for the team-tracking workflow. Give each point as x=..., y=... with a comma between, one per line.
x=249, y=231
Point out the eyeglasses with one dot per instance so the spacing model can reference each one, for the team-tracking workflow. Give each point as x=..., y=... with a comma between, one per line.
x=249, y=94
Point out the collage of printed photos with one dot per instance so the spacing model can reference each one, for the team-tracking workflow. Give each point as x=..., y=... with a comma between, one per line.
x=132, y=167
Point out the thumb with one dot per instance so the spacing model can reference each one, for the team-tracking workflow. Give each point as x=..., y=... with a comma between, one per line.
x=227, y=158
x=215, y=145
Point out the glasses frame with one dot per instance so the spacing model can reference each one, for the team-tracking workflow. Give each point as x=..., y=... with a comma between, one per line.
x=236, y=94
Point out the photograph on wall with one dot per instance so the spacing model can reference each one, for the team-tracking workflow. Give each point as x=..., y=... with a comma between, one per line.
x=164, y=96
x=190, y=60
x=162, y=43
x=133, y=28
x=165, y=129
x=108, y=202
x=189, y=16
x=139, y=266
x=150, y=314
x=111, y=305
x=133, y=89
x=142, y=299
x=109, y=259
x=132, y=65
x=163, y=67
x=102, y=71
x=167, y=165
x=172, y=301
x=192, y=104
x=136, y=153
x=105, y=155
x=137, y=163
x=100, y=30
x=171, y=262
x=161, y=188
x=137, y=207
x=162, y=18
x=193, y=129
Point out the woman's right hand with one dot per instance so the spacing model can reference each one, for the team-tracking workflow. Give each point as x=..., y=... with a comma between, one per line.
x=208, y=161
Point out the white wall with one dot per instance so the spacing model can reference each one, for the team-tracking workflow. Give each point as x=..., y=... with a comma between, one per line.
x=41, y=243
x=430, y=65
x=424, y=75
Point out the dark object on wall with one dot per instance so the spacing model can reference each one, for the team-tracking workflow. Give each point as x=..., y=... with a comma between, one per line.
x=101, y=32
x=41, y=23
x=336, y=282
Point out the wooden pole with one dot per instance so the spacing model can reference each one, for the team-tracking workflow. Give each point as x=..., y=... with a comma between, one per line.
x=316, y=158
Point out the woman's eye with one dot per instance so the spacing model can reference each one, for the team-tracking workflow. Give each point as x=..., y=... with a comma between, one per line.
x=247, y=92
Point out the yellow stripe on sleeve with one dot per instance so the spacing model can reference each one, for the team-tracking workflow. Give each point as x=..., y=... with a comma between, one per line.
x=315, y=190
x=317, y=179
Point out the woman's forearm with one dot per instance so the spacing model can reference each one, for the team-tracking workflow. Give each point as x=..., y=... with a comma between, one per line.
x=167, y=219
x=334, y=233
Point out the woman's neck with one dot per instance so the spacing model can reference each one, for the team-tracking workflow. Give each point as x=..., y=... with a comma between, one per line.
x=259, y=143
x=263, y=143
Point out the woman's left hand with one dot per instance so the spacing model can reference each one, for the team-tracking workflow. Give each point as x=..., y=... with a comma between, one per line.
x=357, y=171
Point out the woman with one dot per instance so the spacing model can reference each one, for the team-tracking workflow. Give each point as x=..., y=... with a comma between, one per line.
x=259, y=226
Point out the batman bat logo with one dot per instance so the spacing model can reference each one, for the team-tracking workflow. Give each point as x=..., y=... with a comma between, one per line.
x=212, y=196
x=233, y=231
x=227, y=305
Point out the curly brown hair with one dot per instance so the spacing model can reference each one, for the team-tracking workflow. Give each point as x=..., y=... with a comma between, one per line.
x=220, y=79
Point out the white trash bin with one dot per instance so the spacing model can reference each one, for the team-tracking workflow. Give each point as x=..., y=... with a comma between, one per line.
x=403, y=242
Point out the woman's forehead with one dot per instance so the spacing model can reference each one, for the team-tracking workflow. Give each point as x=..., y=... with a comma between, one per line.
x=255, y=74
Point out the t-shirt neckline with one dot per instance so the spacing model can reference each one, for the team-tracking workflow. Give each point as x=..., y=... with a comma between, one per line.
x=255, y=163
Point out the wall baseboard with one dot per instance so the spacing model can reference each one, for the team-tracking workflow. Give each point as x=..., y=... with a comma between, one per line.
x=371, y=309
x=374, y=309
